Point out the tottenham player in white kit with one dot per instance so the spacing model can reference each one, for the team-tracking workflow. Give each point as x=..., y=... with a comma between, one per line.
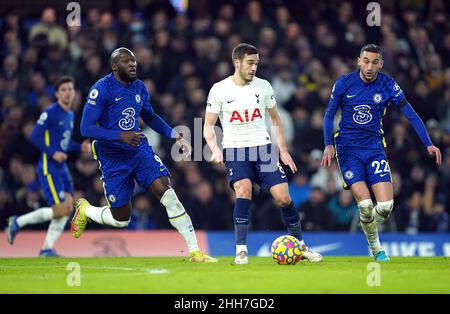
x=241, y=101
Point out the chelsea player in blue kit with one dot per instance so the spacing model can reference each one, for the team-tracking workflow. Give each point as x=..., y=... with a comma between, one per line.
x=52, y=134
x=364, y=96
x=111, y=118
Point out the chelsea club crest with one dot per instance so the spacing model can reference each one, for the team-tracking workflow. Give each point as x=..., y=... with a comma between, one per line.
x=138, y=98
x=377, y=98
x=349, y=175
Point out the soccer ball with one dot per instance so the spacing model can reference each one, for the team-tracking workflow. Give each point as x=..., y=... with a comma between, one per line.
x=286, y=250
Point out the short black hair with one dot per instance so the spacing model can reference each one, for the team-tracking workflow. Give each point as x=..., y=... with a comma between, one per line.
x=242, y=49
x=63, y=79
x=117, y=54
x=372, y=48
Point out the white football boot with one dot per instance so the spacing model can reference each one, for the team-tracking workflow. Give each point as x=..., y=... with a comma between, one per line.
x=313, y=257
x=241, y=258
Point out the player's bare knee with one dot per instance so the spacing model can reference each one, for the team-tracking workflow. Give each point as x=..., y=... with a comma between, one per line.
x=243, y=190
x=365, y=210
x=283, y=200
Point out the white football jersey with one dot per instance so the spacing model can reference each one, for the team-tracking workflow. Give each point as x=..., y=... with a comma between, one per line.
x=242, y=111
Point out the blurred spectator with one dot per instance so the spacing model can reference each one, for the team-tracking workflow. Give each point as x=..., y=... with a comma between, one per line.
x=52, y=32
x=141, y=217
x=255, y=19
x=299, y=188
x=343, y=208
x=315, y=214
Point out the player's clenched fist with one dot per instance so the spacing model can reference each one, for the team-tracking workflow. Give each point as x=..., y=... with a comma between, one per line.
x=131, y=138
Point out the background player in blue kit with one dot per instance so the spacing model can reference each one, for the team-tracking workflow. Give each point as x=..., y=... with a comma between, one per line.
x=52, y=134
x=364, y=96
x=111, y=117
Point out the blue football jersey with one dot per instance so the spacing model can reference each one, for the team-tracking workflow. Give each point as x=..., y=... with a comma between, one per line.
x=52, y=133
x=120, y=106
x=363, y=106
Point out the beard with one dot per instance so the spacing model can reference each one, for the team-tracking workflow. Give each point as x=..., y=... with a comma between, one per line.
x=245, y=77
x=124, y=76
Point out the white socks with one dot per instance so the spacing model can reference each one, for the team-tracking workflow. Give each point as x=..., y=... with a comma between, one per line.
x=240, y=248
x=55, y=229
x=179, y=219
x=103, y=216
x=95, y=214
x=42, y=214
x=369, y=225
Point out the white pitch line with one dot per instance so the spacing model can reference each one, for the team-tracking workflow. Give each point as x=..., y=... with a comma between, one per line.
x=147, y=270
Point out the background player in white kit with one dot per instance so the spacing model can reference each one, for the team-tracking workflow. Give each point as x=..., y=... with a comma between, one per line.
x=241, y=101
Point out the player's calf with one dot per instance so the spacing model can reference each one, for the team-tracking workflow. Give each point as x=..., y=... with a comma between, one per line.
x=180, y=219
x=59, y=210
x=369, y=225
x=383, y=210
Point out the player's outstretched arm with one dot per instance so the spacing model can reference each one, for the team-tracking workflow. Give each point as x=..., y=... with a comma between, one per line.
x=210, y=136
x=421, y=130
x=281, y=139
x=157, y=123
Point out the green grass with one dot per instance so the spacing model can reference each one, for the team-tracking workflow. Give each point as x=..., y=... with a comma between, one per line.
x=262, y=275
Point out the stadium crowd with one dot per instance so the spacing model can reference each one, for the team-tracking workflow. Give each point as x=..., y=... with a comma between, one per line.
x=304, y=46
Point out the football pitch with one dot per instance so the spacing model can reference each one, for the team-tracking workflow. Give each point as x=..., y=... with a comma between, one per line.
x=175, y=275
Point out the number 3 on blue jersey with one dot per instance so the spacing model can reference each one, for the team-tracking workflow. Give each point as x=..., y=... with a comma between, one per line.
x=128, y=122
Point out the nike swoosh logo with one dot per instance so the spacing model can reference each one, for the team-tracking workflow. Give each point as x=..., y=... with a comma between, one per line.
x=283, y=177
x=326, y=247
x=230, y=101
x=350, y=96
x=117, y=99
x=264, y=250
x=383, y=175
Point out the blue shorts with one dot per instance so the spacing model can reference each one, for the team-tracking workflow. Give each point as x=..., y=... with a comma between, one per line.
x=119, y=171
x=55, y=184
x=367, y=165
x=254, y=163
